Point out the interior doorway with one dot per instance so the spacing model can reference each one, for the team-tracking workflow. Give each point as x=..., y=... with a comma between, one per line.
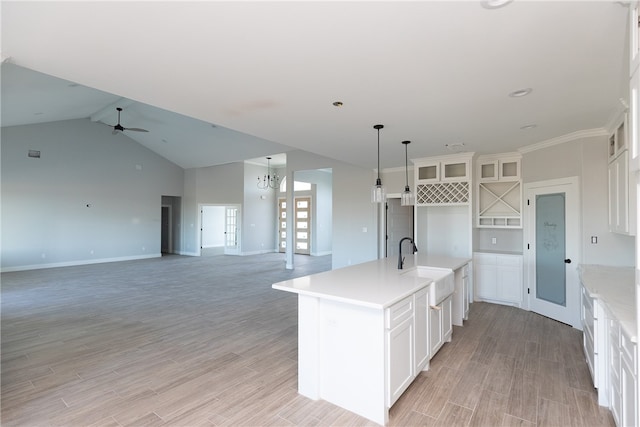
x=219, y=229
x=398, y=224
x=166, y=235
x=552, y=249
x=170, y=224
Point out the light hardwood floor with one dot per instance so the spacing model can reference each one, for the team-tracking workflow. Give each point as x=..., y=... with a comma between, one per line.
x=186, y=341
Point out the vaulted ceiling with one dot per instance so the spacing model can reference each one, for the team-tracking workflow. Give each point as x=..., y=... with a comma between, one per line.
x=215, y=82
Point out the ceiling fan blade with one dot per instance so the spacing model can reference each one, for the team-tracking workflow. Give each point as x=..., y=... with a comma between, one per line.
x=136, y=129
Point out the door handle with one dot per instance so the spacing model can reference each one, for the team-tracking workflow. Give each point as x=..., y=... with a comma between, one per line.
x=567, y=261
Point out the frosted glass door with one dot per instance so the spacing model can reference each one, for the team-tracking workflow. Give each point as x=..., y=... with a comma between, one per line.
x=551, y=283
x=552, y=249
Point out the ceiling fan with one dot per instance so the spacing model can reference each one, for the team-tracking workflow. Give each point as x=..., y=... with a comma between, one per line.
x=119, y=127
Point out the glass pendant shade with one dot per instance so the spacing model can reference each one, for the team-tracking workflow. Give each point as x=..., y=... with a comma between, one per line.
x=406, y=198
x=378, y=193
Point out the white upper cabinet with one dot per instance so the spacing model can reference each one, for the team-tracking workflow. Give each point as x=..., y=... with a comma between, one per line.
x=634, y=34
x=499, y=191
x=632, y=134
x=506, y=169
x=622, y=192
x=618, y=140
x=442, y=171
x=444, y=180
x=633, y=137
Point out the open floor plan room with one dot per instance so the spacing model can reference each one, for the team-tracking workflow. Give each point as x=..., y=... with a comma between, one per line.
x=205, y=341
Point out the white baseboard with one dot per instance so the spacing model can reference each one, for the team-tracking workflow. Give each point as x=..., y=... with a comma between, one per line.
x=321, y=253
x=260, y=252
x=77, y=262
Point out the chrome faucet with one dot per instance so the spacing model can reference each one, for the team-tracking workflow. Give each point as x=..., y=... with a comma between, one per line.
x=400, y=257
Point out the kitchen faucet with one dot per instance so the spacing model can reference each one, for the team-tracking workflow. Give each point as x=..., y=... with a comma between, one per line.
x=400, y=257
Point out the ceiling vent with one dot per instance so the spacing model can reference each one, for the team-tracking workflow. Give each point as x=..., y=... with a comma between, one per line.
x=34, y=154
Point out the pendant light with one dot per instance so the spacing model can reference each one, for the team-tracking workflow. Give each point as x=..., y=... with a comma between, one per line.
x=406, y=199
x=377, y=191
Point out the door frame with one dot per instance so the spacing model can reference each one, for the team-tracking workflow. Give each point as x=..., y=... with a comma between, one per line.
x=235, y=251
x=573, y=243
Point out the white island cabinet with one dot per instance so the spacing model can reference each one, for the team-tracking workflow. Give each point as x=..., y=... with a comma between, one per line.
x=363, y=331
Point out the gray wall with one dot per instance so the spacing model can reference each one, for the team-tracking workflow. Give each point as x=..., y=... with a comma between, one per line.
x=259, y=213
x=322, y=218
x=45, y=218
x=587, y=159
x=217, y=185
x=353, y=212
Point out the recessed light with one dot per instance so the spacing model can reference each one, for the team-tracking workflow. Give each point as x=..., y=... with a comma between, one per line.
x=527, y=127
x=494, y=4
x=337, y=104
x=520, y=92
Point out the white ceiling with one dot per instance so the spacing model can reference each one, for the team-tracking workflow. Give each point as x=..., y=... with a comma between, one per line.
x=266, y=74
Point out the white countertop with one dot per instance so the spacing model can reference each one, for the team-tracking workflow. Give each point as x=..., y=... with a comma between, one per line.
x=615, y=287
x=374, y=284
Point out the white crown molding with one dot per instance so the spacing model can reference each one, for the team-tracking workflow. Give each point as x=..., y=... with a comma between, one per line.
x=397, y=169
x=588, y=133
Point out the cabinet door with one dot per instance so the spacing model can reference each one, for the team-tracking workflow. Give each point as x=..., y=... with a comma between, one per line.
x=447, y=325
x=454, y=171
x=465, y=297
x=614, y=219
x=488, y=171
x=486, y=278
x=634, y=38
x=509, y=169
x=400, y=359
x=509, y=284
x=421, y=330
x=435, y=330
x=629, y=413
x=633, y=131
x=428, y=173
x=619, y=194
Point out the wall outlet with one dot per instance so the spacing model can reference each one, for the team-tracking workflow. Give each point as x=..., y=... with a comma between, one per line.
x=494, y=240
x=594, y=240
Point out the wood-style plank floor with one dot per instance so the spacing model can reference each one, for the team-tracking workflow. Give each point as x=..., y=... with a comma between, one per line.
x=185, y=341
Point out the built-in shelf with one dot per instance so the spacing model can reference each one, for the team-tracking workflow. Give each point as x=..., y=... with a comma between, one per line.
x=499, y=191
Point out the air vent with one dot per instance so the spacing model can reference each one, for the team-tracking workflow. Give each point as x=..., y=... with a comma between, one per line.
x=34, y=153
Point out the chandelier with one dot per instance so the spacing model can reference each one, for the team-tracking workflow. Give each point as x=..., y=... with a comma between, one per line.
x=269, y=181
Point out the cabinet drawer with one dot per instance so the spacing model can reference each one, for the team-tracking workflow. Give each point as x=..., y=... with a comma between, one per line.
x=511, y=261
x=399, y=312
x=629, y=352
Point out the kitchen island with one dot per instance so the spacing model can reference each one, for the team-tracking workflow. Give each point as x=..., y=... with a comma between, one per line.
x=364, y=330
